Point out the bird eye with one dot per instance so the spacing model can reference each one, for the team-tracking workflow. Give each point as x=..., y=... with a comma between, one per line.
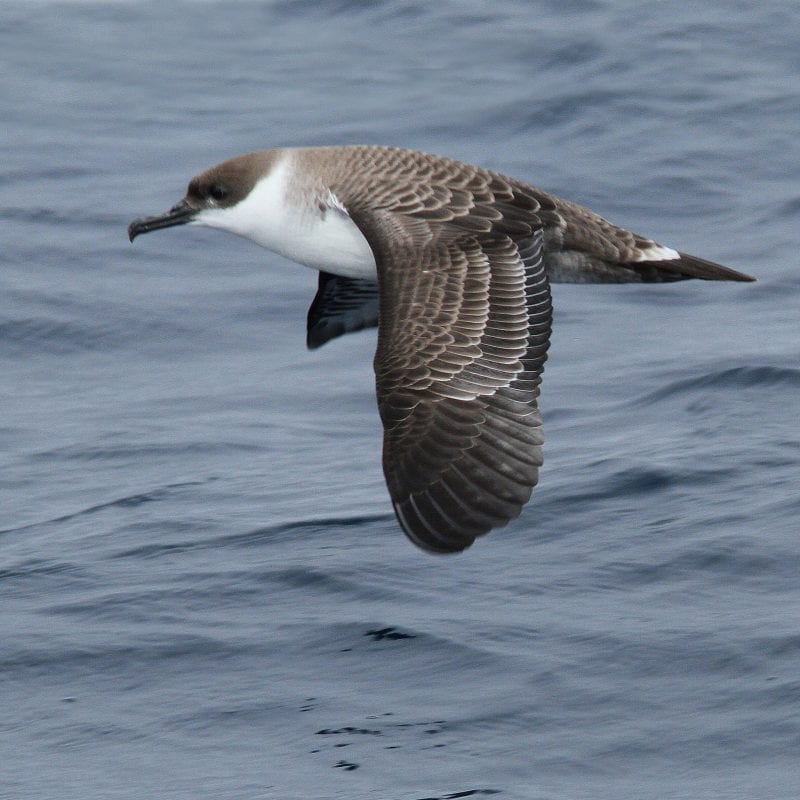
x=217, y=192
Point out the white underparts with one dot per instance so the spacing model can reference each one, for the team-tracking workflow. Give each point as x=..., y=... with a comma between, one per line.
x=316, y=232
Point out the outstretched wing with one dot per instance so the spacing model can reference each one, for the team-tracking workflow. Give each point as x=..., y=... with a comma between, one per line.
x=463, y=336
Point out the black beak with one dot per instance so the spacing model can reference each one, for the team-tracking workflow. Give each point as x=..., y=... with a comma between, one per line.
x=179, y=214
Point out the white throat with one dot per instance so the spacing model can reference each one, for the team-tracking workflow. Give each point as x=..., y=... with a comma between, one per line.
x=312, y=230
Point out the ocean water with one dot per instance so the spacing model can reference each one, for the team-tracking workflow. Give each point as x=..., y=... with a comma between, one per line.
x=203, y=590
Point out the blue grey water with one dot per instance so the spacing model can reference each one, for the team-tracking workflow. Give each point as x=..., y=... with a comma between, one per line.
x=203, y=590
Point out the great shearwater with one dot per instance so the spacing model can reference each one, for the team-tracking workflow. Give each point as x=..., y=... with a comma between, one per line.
x=453, y=264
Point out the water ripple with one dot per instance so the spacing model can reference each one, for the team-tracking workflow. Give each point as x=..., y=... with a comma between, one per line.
x=742, y=377
x=128, y=501
x=27, y=336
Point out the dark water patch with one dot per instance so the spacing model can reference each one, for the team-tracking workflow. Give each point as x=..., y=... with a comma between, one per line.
x=572, y=54
x=49, y=216
x=213, y=718
x=60, y=657
x=159, y=605
x=556, y=111
x=125, y=451
x=725, y=561
x=80, y=736
x=34, y=335
x=666, y=294
x=52, y=217
x=417, y=648
x=636, y=482
x=385, y=732
x=289, y=9
x=631, y=482
x=570, y=7
x=33, y=575
x=61, y=173
x=699, y=197
x=38, y=566
x=760, y=740
x=781, y=695
x=305, y=579
x=563, y=414
x=773, y=290
x=739, y=378
x=39, y=335
x=129, y=501
x=789, y=209
x=165, y=549
x=256, y=537
x=388, y=633
x=349, y=730
x=465, y=793
x=700, y=654
x=303, y=528
x=733, y=560
x=134, y=500
x=786, y=645
x=348, y=766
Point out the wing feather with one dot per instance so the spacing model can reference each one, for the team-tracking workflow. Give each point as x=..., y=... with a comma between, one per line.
x=341, y=305
x=465, y=323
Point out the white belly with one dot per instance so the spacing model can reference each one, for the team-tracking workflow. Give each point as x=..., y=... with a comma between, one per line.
x=331, y=242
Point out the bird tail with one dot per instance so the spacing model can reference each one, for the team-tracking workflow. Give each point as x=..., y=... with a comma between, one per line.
x=685, y=267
